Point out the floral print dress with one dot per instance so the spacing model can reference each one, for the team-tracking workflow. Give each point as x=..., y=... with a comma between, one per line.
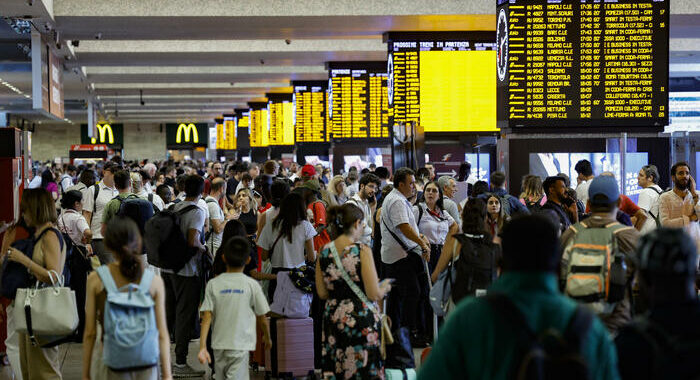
x=351, y=332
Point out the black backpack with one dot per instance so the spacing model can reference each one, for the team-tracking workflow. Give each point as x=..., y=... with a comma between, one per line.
x=551, y=354
x=476, y=266
x=166, y=245
x=139, y=210
x=534, y=207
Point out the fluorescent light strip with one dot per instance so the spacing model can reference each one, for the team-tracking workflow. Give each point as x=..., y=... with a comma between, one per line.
x=106, y=85
x=14, y=89
x=97, y=70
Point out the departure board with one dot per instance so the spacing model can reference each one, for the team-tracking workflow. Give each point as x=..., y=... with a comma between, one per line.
x=583, y=63
x=445, y=81
x=281, y=119
x=310, y=111
x=358, y=108
x=226, y=132
x=259, y=132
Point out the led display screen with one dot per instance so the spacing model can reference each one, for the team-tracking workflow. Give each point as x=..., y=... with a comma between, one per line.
x=583, y=63
x=259, y=132
x=281, y=122
x=226, y=133
x=444, y=81
x=310, y=111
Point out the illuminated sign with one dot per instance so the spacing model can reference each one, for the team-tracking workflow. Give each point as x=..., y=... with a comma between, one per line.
x=280, y=120
x=104, y=130
x=583, y=63
x=310, y=98
x=445, y=81
x=259, y=131
x=188, y=130
x=187, y=135
x=106, y=133
x=358, y=100
x=226, y=133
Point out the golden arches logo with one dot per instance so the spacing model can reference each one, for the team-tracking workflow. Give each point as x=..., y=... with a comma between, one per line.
x=102, y=130
x=188, y=129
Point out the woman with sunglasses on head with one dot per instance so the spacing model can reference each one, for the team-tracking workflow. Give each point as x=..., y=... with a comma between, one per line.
x=245, y=211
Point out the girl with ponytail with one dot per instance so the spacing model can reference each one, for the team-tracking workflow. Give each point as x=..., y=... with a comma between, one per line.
x=123, y=239
x=346, y=303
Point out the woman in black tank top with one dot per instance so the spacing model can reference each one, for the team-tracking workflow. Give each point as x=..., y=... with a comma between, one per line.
x=245, y=208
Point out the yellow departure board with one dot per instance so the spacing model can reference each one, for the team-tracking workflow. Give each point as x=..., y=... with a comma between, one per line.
x=310, y=111
x=583, y=63
x=281, y=123
x=226, y=133
x=358, y=97
x=259, y=133
x=446, y=82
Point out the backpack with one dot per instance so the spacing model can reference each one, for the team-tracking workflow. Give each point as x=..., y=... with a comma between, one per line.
x=16, y=275
x=534, y=207
x=322, y=236
x=673, y=356
x=505, y=203
x=596, y=269
x=139, y=210
x=551, y=354
x=476, y=266
x=130, y=333
x=166, y=245
x=657, y=218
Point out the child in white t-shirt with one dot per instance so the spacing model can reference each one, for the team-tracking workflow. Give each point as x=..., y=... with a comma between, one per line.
x=232, y=303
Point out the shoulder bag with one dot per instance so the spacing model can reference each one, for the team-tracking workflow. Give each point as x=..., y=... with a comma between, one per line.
x=441, y=291
x=387, y=338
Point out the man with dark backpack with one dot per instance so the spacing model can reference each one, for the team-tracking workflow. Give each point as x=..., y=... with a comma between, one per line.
x=127, y=204
x=665, y=343
x=524, y=324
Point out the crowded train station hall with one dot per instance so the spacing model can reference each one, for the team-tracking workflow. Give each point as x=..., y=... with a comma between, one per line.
x=370, y=189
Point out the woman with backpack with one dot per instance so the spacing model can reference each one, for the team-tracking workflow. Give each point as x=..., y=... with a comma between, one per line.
x=347, y=281
x=533, y=196
x=48, y=254
x=134, y=350
x=472, y=254
x=288, y=240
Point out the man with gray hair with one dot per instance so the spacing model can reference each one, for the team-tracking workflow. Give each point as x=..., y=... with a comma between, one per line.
x=138, y=188
x=151, y=170
x=648, y=180
x=449, y=188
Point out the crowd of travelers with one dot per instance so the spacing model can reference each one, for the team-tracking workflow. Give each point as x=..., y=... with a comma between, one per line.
x=565, y=280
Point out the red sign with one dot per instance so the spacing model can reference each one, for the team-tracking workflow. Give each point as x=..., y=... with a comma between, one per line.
x=87, y=147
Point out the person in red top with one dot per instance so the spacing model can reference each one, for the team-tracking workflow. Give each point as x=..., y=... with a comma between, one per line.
x=308, y=172
x=637, y=214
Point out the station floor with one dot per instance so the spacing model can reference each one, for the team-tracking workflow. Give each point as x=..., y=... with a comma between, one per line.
x=71, y=362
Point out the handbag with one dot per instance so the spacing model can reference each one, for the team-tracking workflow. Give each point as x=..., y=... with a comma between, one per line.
x=441, y=291
x=49, y=312
x=386, y=336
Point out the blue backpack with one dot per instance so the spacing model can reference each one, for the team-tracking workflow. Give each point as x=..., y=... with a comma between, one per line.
x=130, y=331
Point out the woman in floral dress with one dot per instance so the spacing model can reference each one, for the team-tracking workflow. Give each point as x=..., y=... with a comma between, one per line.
x=351, y=331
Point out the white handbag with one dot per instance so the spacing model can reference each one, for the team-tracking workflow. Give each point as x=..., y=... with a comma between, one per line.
x=49, y=312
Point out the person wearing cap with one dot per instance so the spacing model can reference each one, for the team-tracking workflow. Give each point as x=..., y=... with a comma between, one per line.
x=653, y=346
x=481, y=341
x=94, y=202
x=557, y=201
x=308, y=172
x=604, y=198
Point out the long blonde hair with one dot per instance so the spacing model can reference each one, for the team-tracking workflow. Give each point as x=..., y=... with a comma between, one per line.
x=247, y=192
x=532, y=188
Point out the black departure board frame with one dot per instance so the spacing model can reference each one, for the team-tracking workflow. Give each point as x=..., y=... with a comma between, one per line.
x=242, y=132
x=363, y=84
x=404, y=78
x=583, y=65
x=310, y=118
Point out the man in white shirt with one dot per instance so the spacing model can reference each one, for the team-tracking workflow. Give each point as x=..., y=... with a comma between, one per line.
x=138, y=188
x=353, y=184
x=182, y=289
x=448, y=185
x=369, y=183
x=67, y=178
x=86, y=179
x=150, y=170
x=648, y=179
x=94, y=202
x=584, y=179
x=680, y=208
x=216, y=214
x=403, y=251
x=35, y=181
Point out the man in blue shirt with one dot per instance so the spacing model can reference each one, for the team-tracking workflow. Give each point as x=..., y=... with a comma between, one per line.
x=498, y=188
x=479, y=342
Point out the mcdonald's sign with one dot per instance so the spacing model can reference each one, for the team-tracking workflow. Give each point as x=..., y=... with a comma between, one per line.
x=186, y=135
x=108, y=134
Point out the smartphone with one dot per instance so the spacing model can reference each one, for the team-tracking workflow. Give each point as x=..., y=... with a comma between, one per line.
x=389, y=280
x=567, y=202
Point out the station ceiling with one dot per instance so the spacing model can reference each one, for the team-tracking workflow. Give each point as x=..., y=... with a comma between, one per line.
x=197, y=60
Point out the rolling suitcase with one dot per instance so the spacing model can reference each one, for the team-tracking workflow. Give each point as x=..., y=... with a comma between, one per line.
x=292, y=353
